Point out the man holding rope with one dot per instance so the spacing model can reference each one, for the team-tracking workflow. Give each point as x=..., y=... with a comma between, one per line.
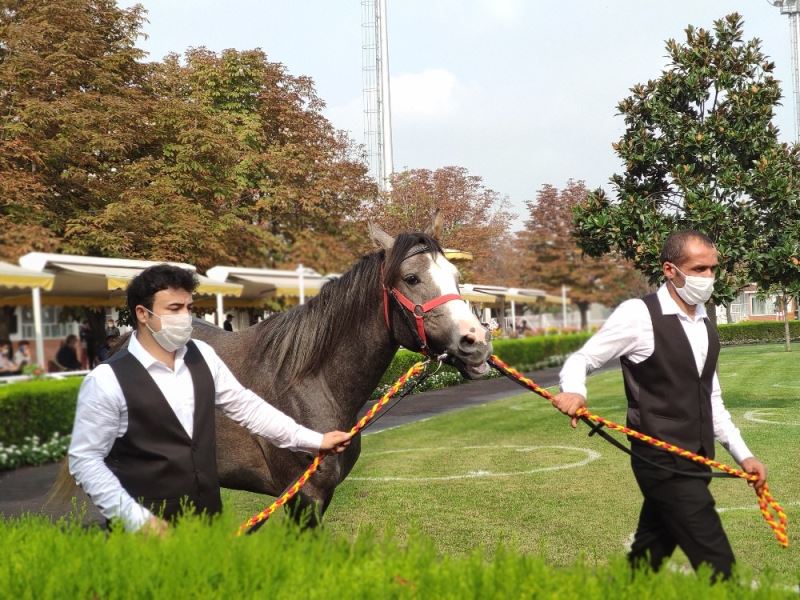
x=144, y=435
x=669, y=350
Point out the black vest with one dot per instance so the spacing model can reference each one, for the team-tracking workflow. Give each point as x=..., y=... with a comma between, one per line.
x=156, y=461
x=667, y=399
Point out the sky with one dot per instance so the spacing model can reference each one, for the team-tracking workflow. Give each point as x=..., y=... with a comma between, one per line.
x=520, y=92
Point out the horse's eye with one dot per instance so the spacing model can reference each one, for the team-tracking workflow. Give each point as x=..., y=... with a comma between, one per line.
x=411, y=279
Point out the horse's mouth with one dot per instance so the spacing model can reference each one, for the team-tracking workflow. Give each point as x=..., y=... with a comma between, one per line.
x=469, y=371
x=478, y=370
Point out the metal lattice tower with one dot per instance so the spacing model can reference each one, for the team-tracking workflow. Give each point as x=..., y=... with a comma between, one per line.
x=376, y=91
x=792, y=8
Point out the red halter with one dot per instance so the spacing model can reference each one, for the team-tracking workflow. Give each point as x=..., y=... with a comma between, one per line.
x=418, y=310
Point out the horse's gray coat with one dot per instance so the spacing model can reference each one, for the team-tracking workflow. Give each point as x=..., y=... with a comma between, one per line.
x=320, y=362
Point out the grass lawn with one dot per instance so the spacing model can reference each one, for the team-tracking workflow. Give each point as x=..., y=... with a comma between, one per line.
x=513, y=473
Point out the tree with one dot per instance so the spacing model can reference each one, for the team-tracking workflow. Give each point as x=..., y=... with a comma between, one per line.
x=550, y=257
x=695, y=140
x=206, y=158
x=240, y=151
x=71, y=111
x=474, y=217
x=774, y=259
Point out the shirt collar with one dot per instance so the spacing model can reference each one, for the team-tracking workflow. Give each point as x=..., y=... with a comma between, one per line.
x=670, y=307
x=148, y=360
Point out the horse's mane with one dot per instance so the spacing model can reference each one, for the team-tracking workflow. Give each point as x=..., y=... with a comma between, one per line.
x=299, y=341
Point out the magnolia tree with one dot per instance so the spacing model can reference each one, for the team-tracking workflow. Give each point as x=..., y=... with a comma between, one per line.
x=697, y=143
x=774, y=258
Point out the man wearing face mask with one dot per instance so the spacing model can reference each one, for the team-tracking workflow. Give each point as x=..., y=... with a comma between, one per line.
x=144, y=439
x=668, y=350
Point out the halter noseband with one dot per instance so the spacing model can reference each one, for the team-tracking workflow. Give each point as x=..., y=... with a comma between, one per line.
x=417, y=310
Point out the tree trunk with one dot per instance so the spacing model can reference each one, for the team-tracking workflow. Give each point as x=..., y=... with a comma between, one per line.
x=728, y=313
x=584, y=308
x=711, y=311
x=786, y=335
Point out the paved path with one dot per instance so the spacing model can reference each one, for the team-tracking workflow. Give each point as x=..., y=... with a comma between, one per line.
x=25, y=490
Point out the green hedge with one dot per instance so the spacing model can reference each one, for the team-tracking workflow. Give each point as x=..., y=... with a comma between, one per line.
x=528, y=353
x=525, y=354
x=756, y=332
x=39, y=407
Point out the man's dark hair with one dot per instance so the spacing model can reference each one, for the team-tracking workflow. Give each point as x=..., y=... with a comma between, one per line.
x=674, y=248
x=229, y=316
x=154, y=279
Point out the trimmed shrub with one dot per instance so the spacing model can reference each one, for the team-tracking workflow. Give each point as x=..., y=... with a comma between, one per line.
x=529, y=353
x=37, y=408
x=525, y=354
x=756, y=332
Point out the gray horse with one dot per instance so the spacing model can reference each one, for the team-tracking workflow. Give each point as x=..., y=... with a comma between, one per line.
x=320, y=362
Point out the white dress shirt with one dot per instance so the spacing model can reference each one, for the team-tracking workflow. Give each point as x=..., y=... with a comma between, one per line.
x=629, y=332
x=102, y=417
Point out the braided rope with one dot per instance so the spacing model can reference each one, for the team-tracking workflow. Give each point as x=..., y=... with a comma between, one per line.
x=772, y=512
x=292, y=490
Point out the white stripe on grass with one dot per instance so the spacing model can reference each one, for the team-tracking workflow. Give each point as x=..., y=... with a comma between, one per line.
x=589, y=456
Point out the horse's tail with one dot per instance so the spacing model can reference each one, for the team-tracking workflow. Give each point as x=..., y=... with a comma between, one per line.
x=64, y=487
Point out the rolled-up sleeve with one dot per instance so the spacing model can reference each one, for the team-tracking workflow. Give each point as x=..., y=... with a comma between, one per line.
x=96, y=427
x=256, y=414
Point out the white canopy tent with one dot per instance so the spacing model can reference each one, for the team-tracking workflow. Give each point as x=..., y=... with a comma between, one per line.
x=261, y=284
x=493, y=294
x=90, y=281
x=14, y=278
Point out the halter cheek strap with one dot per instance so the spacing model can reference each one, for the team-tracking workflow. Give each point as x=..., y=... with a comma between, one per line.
x=417, y=310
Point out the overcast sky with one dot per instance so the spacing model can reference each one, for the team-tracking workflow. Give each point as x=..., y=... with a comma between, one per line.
x=521, y=93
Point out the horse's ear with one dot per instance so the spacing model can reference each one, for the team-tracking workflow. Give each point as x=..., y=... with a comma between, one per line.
x=435, y=228
x=380, y=237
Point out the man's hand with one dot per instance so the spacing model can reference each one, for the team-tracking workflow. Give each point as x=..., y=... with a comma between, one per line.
x=335, y=441
x=755, y=467
x=155, y=526
x=569, y=404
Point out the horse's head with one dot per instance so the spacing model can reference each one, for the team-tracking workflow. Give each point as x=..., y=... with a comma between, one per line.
x=422, y=305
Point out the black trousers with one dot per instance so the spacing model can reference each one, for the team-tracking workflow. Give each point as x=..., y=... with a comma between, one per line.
x=677, y=511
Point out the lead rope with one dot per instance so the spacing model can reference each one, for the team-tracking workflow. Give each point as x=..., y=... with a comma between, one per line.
x=770, y=509
x=254, y=522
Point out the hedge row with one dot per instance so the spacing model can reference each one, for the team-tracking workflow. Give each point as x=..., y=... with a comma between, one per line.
x=39, y=408
x=757, y=332
x=525, y=354
x=46, y=407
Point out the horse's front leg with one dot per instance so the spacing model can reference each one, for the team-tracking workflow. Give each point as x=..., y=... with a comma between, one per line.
x=311, y=502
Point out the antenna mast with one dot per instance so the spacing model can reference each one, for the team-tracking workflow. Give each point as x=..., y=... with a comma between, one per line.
x=376, y=92
x=792, y=8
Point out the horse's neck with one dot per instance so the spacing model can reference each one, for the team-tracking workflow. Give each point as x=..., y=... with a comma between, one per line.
x=355, y=367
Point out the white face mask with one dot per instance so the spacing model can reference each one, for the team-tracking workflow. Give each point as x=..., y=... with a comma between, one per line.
x=696, y=290
x=175, y=330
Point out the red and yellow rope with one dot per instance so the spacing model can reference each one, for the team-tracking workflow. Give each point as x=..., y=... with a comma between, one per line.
x=292, y=490
x=772, y=512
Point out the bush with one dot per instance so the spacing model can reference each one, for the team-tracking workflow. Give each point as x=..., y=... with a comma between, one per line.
x=756, y=332
x=529, y=353
x=33, y=452
x=524, y=354
x=37, y=408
